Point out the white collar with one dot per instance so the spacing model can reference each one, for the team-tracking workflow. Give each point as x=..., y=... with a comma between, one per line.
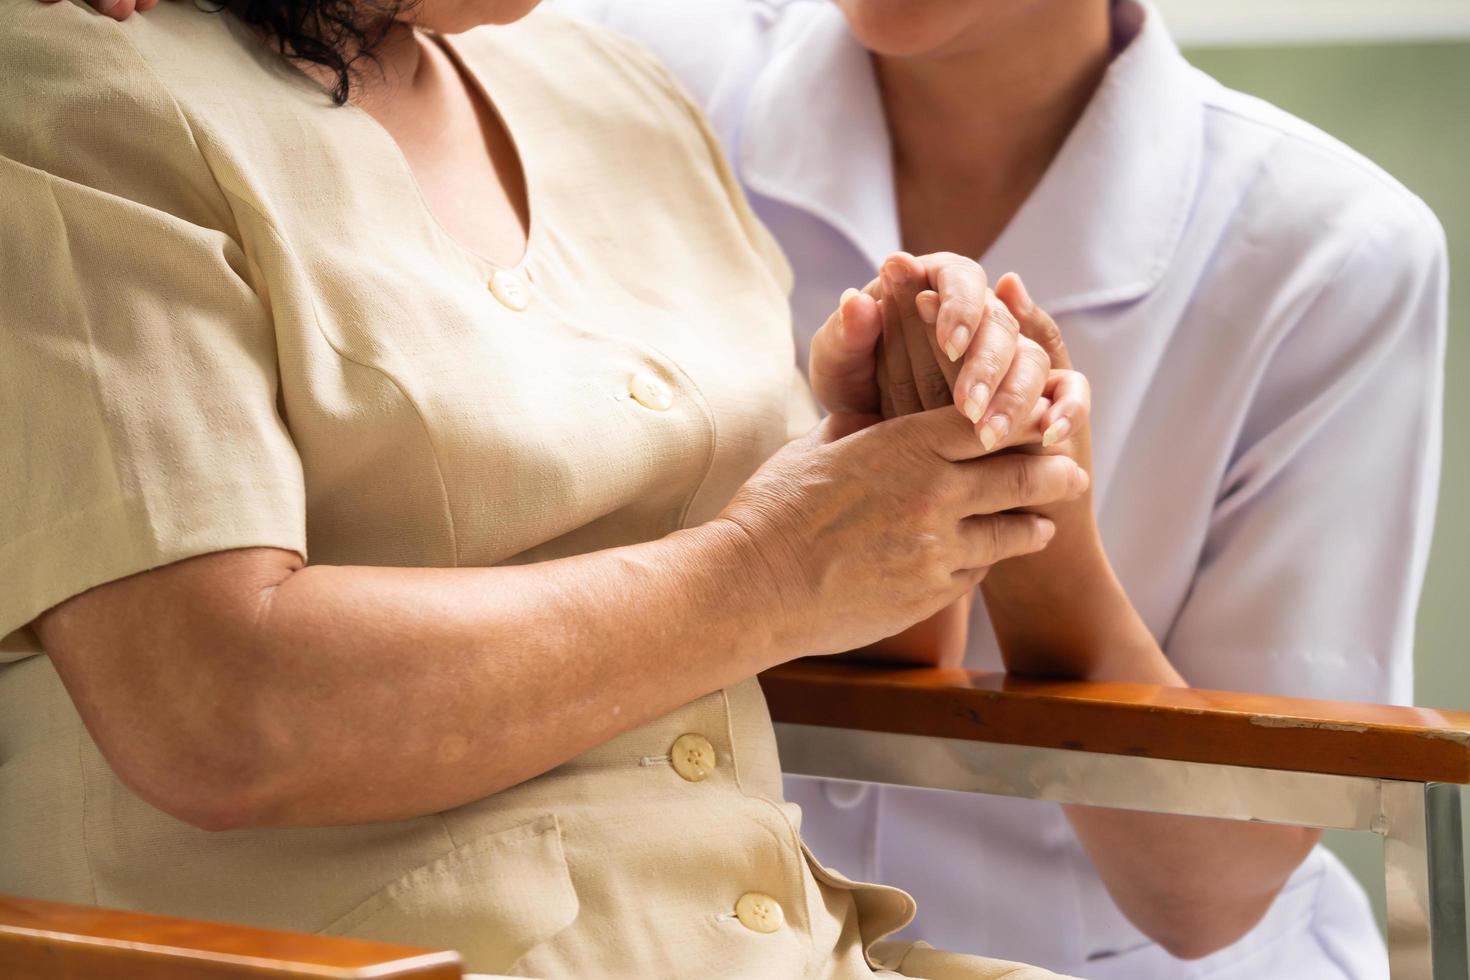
x=1100, y=228
x=814, y=136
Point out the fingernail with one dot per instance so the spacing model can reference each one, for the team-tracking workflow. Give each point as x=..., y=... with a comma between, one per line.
x=1025, y=297
x=1085, y=478
x=1056, y=432
x=957, y=341
x=1046, y=529
x=847, y=294
x=994, y=432
x=927, y=304
x=896, y=273
x=975, y=403
x=105, y=5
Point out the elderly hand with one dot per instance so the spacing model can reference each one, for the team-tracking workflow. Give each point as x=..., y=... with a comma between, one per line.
x=865, y=527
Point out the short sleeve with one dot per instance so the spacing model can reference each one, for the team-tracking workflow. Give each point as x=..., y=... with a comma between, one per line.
x=138, y=379
x=1318, y=544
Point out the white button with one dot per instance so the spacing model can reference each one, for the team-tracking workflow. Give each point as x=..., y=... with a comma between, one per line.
x=507, y=287
x=648, y=391
x=693, y=757
x=759, y=913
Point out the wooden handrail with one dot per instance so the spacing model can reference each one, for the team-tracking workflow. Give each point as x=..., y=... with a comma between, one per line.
x=50, y=940
x=1188, y=724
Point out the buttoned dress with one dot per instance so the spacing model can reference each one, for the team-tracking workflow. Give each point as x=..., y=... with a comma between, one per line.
x=228, y=319
x=1261, y=312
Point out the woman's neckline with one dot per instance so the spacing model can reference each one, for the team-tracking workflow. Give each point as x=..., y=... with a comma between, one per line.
x=497, y=109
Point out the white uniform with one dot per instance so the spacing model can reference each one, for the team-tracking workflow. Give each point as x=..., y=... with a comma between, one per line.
x=1261, y=312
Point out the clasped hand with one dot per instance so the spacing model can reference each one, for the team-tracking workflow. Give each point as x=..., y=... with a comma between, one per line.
x=901, y=500
x=927, y=332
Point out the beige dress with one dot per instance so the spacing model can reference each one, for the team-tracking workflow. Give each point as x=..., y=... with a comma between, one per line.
x=228, y=319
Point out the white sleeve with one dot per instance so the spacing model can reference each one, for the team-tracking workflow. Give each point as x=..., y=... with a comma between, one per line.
x=1315, y=555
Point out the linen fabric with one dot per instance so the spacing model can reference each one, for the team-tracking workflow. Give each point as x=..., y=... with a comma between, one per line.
x=229, y=320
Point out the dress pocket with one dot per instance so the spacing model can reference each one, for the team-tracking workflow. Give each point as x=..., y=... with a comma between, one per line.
x=493, y=899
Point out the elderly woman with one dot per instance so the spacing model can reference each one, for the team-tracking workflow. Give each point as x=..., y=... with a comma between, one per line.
x=389, y=520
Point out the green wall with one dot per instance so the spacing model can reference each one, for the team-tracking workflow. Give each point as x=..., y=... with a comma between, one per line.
x=1407, y=107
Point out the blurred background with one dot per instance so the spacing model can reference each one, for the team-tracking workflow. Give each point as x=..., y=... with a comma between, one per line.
x=1391, y=78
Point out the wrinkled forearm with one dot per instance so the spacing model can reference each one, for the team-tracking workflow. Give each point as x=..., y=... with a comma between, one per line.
x=353, y=694
x=508, y=672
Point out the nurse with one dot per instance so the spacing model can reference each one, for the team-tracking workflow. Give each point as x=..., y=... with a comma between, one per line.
x=1262, y=314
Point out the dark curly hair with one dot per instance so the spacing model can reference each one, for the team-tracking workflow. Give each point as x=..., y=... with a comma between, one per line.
x=336, y=34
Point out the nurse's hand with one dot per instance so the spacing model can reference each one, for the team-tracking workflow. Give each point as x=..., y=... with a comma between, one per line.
x=927, y=332
x=1066, y=418
x=865, y=527
x=1042, y=402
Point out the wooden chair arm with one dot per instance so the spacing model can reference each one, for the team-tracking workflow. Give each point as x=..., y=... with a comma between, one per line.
x=52, y=941
x=1187, y=724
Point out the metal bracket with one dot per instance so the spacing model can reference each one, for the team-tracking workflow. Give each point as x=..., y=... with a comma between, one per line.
x=1424, y=864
